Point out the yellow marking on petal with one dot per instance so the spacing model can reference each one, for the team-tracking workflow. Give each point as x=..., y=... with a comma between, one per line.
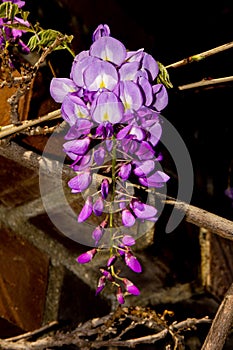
x=102, y=85
x=126, y=105
x=105, y=116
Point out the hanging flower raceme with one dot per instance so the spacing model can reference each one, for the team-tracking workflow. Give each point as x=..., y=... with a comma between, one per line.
x=112, y=104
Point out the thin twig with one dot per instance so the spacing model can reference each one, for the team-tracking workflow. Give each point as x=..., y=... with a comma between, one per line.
x=40, y=330
x=206, y=82
x=201, y=55
x=29, y=123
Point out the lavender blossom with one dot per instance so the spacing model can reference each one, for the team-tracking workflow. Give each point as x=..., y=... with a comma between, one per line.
x=104, y=188
x=120, y=296
x=130, y=287
x=86, y=257
x=132, y=262
x=86, y=210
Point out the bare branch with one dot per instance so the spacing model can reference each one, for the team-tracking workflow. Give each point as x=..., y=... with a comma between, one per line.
x=206, y=82
x=29, y=123
x=201, y=55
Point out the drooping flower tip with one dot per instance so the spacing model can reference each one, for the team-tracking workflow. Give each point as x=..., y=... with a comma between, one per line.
x=104, y=188
x=101, y=30
x=111, y=260
x=101, y=284
x=97, y=234
x=120, y=296
x=132, y=262
x=130, y=287
x=86, y=210
x=87, y=256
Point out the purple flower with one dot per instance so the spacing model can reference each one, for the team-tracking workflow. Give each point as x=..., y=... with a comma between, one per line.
x=106, y=274
x=111, y=260
x=130, y=95
x=86, y=257
x=101, y=284
x=132, y=262
x=99, y=155
x=104, y=188
x=101, y=75
x=73, y=108
x=160, y=97
x=97, y=234
x=109, y=49
x=107, y=108
x=128, y=219
x=155, y=180
x=120, y=296
x=19, y=3
x=130, y=287
x=143, y=211
x=98, y=207
x=80, y=182
x=128, y=240
x=82, y=127
x=86, y=210
x=79, y=147
x=125, y=171
x=143, y=168
x=60, y=87
x=101, y=30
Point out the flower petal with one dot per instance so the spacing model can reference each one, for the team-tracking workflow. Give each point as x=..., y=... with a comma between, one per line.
x=108, y=108
x=86, y=210
x=101, y=75
x=109, y=49
x=128, y=219
x=132, y=262
x=87, y=256
x=60, y=87
x=130, y=287
x=80, y=182
x=101, y=30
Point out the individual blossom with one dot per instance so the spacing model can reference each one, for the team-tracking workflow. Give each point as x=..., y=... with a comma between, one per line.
x=120, y=296
x=104, y=188
x=132, y=262
x=130, y=287
x=87, y=256
x=86, y=210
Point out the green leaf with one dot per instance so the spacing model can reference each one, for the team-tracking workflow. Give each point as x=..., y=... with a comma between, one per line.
x=45, y=38
x=163, y=77
x=8, y=10
x=33, y=42
x=24, y=15
x=18, y=26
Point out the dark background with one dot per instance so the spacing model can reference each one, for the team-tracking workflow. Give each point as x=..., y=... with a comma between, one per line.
x=170, y=31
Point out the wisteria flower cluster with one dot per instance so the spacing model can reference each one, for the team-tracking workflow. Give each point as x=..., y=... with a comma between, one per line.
x=112, y=104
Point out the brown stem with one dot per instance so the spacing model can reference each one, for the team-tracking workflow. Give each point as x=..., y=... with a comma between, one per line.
x=201, y=55
x=221, y=325
x=206, y=82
